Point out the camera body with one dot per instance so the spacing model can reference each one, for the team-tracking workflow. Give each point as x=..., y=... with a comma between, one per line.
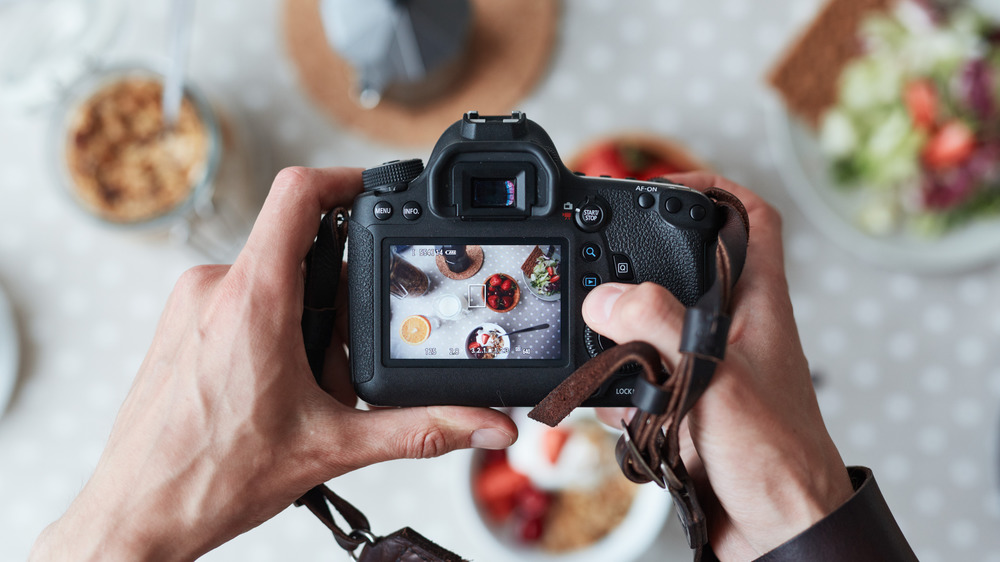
x=467, y=278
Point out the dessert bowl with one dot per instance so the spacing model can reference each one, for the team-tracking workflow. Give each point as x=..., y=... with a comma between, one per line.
x=638, y=522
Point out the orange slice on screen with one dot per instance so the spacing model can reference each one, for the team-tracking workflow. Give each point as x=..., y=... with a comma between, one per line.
x=415, y=329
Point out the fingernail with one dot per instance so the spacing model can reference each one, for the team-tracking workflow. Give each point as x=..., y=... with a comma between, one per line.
x=601, y=300
x=490, y=439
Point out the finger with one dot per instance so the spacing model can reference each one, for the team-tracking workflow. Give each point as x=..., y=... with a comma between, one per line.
x=646, y=312
x=382, y=435
x=287, y=223
x=765, y=221
x=613, y=417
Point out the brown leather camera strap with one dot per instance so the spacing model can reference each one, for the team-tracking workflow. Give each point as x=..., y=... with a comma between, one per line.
x=649, y=451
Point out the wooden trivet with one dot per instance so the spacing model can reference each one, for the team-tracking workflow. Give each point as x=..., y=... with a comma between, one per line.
x=475, y=254
x=509, y=48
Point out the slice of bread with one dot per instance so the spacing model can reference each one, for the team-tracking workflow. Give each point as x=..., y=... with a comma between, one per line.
x=806, y=76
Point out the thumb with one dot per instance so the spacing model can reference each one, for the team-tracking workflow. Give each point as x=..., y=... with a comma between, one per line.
x=645, y=312
x=425, y=432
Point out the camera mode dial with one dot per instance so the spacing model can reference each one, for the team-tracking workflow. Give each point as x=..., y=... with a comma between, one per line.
x=392, y=176
x=596, y=343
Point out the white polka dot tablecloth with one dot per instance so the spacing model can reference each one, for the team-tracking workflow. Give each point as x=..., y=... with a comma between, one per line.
x=907, y=367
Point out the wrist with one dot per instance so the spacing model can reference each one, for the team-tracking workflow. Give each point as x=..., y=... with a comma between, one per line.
x=802, y=491
x=107, y=530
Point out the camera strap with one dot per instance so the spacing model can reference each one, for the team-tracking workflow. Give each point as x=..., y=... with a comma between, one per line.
x=649, y=450
x=323, y=267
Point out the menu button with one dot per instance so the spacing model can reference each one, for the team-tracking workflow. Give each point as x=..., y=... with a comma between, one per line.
x=383, y=210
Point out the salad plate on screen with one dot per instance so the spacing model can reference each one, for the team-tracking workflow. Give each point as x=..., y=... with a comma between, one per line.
x=904, y=169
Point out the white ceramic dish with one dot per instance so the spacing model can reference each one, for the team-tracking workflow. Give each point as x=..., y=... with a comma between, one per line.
x=489, y=326
x=629, y=541
x=9, y=352
x=804, y=170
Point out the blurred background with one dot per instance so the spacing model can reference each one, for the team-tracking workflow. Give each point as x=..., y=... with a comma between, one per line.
x=890, y=230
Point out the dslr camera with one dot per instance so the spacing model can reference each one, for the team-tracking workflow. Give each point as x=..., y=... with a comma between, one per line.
x=467, y=276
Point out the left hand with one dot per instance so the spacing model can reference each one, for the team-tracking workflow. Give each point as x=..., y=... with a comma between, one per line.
x=225, y=426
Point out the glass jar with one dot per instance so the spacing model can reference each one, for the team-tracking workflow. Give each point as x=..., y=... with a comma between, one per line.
x=70, y=123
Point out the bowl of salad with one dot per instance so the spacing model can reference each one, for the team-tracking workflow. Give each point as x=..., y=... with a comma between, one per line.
x=541, y=273
x=904, y=168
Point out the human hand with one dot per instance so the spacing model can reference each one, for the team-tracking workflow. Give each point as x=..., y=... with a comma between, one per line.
x=755, y=441
x=225, y=426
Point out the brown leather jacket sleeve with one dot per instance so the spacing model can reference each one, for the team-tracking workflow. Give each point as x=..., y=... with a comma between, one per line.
x=861, y=530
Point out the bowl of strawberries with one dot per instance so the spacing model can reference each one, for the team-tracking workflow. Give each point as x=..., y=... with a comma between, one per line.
x=502, y=292
x=634, y=155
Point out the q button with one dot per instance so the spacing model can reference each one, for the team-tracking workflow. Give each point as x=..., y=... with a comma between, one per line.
x=590, y=252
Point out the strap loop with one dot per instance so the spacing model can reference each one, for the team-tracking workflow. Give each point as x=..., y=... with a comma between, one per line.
x=317, y=326
x=705, y=333
x=650, y=398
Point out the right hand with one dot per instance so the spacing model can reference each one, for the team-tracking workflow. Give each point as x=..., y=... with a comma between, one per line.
x=755, y=442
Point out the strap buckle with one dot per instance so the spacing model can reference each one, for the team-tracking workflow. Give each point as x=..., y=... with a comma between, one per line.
x=633, y=463
x=677, y=481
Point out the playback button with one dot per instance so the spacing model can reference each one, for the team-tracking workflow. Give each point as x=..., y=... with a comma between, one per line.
x=590, y=280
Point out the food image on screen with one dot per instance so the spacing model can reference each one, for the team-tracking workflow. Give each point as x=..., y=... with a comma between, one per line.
x=487, y=316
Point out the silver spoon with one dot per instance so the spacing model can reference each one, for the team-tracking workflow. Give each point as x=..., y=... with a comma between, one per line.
x=173, y=83
x=531, y=329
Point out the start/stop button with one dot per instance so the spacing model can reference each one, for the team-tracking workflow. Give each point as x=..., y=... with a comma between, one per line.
x=591, y=216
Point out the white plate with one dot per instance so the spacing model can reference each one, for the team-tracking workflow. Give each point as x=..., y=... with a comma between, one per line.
x=9, y=351
x=806, y=175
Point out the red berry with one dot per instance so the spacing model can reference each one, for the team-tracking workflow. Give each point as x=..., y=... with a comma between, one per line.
x=507, y=302
x=497, y=482
x=494, y=456
x=500, y=509
x=532, y=503
x=494, y=280
x=604, y=160
x=506, y=285
x=658, y=170
x=493, y=301
x=531, y=530
x=553, y=441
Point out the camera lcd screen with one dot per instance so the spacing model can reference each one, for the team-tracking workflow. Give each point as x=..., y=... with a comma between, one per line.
x=494, y=192
x=476, y=301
